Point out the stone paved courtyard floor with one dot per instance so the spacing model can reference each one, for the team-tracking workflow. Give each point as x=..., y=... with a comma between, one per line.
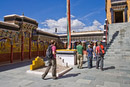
x=116, y=74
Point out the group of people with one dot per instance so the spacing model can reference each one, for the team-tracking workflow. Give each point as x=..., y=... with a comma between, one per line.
x=94, y=51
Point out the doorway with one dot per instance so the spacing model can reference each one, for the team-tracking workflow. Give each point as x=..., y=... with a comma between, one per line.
x=118, y=16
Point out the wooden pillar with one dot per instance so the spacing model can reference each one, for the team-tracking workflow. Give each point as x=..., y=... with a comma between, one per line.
x=112, y=15
x=72, y=45
x=126, y=19
x=30, y=40
x=68, y=24
x=11, y=56
x=22, y=47
x=65, y=45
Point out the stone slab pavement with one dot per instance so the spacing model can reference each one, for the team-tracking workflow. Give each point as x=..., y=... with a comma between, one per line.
x=114, y=75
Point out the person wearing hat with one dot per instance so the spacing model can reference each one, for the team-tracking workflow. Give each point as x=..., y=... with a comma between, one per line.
x=90, y=56
x=100, y=55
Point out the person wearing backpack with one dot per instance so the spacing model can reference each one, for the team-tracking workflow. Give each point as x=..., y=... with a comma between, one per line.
x=90, y=56
x=51, y=56
x=100, y=56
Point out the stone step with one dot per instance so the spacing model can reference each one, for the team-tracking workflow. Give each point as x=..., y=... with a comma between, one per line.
x=113, y=52
x=117, y=56
x=114, y=49
x=108, y=54
x=119, y=48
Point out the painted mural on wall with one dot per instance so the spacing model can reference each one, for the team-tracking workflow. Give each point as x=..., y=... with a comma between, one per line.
x=17, y=42
x=5, y=46
x=46, y=45
x=7, y=38
x=41, y=46
x=26, y=41
x=11, y=44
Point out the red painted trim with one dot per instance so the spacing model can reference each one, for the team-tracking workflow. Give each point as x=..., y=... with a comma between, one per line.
x=11, y=56
x=30, y=48
x=65, y=45
x=22, y=48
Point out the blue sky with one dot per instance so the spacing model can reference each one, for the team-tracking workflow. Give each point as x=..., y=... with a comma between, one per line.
x=50, y=14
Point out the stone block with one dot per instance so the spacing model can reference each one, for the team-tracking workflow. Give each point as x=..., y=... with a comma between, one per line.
x=99, y=86
x=83, y=81
x=111, y=84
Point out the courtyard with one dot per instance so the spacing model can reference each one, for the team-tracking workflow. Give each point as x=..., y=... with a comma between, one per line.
x=116, y=74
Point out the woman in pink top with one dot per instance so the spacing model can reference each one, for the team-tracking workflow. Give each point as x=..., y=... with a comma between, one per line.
x=54, y=50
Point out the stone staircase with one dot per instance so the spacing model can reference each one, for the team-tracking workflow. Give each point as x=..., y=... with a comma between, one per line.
x=118, y=47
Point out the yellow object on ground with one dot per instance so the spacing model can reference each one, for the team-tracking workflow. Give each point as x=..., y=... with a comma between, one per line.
x=37, y=63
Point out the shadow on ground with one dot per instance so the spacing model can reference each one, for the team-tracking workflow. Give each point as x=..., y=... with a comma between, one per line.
x=15, y=65
x=84, y=62
x=87, y=66
x=69, y=75
x=111, y=67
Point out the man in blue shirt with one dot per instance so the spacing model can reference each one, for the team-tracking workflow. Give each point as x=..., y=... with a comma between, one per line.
x=90, y=56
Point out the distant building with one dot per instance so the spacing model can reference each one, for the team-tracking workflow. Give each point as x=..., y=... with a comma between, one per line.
x=83, y=36
x=117, y=11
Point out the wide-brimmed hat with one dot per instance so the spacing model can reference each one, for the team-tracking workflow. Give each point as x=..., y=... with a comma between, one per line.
x=98, y=42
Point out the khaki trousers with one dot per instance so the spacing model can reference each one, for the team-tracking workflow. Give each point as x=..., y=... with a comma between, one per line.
x=79, y=60
x=51, y=62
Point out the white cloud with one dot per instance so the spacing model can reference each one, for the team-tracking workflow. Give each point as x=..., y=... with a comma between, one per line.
x=76, y=25
x=96, y=26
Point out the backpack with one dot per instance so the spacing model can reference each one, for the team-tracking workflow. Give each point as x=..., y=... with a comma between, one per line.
x=101, y=53
x=49, y=54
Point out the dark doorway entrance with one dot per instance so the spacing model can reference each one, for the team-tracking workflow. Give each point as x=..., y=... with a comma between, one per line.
x=119, y=17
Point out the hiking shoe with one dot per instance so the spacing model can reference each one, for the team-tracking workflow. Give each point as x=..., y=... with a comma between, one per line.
x=102, y=69
x=81, y=67
x=43, y=77
x=97, y=68
x=54, y=78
